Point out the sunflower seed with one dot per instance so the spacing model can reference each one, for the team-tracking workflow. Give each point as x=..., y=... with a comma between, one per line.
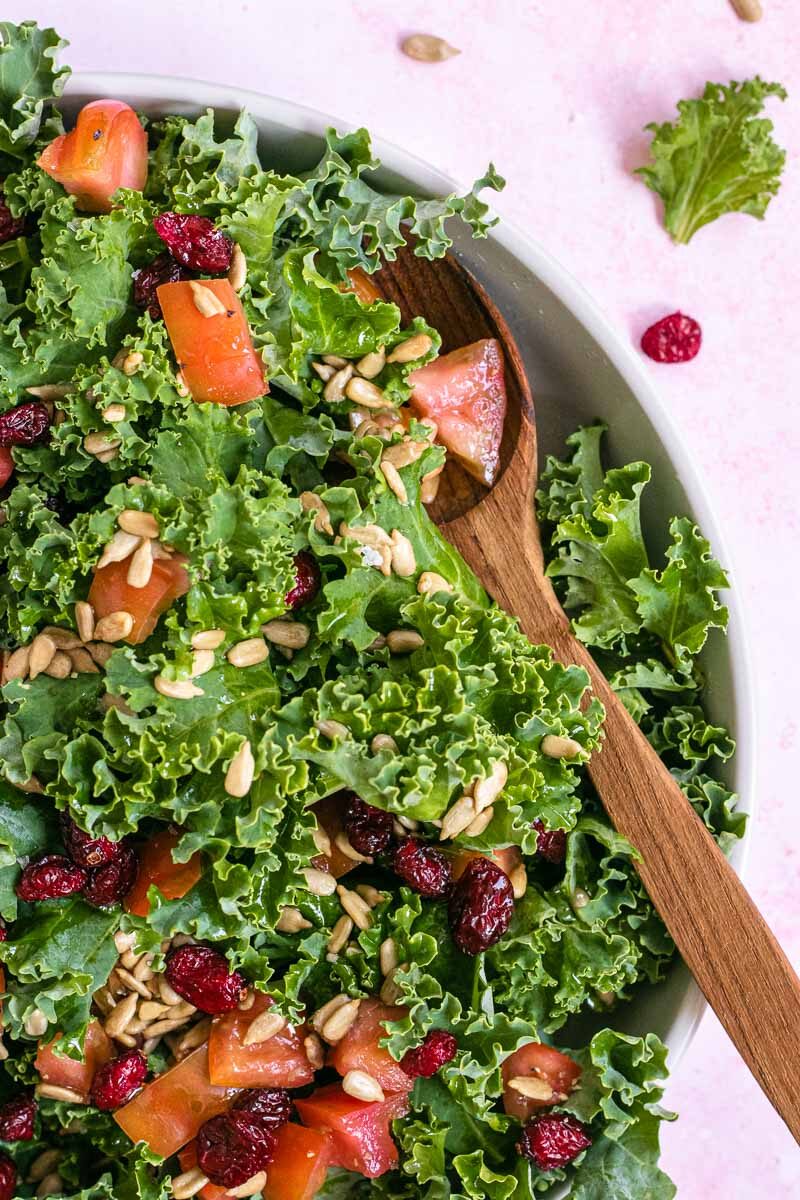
x=327, y=1010
x=332, y=729
x=321, y=840
x=50, y=391
x=205, y=299
x=319, y=883
x=404, y=453
x=342, y=843
x=291, y=920
x=251, y=1187
x=184, y=1186
x=404, y=562
x=560, y=747
x=355, y=906
x=43, y=1164
x=383, y=741
x=237, y=273
x=131, y=984
x=208, y=639
x=487, y=790
x=50, y=1091
x=35, y=1023
x=17, y=664
x=43, y=650
x=334, y=390
x=132, y=361
x=60, y=666
x=121, y=546
x=196, y=1036
x=181, y=386
x=425, y=48
x=124, y=941
x=120, y=1017
x=371, y=364
x=315, y=1052
x=430, y=582
x=369, y=894
x=519, y=881
x=168, y=995
x=264, y=1027
x=246, y=1001
x=458, y=818
x=114, y=413
x=177, y=689
x=532, y=1087
x=101, y=443
x=64, y=639
x=141, y=566
x=140, y=524
x=340, y=935
x=408, y=823
x=100, y=652
x=202, y=662
x=403, y=641
x=367, y=394
x=324, y=370
x=248, y=653
x=31, y=785
x=411, y=349
x=241, y=772
x=429, y=485
x=394, y=482
x=390, y=991
x=579, y=898
x=481, y=822
x=362, y=1086
x=311, y=502
x=84, y=619
x=169, y=1025
x=334, y=360
x=748, y=10
x=387, y=955
x=292, y=634
x=337, y=1025
x=151, y=1010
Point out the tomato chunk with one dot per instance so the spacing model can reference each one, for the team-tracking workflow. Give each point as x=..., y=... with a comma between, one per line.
x=360, y=1131
x=299, y=1165
x=507, y=858
x=363, y=285
x=360, y=1048
x=464, y=392
x=66, y=1072
x=105, y=151
x=215, y=354
x=556, y=1071
x=187, y=1157
x=329, y=812
x=279, y=1062
x=110, y=592
x=6, y=465
x=172, y=879
x=168, y=1112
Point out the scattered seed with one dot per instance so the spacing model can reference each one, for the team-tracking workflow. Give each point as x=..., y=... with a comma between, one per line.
x=35, y=1023
x=168, y=995
x=430, y=582
x=17, y=664
x=321, y=840
x=202, y=662
x=43, y=650
x=362, y=1086
x=241, y=772
x=50, y=391
x=124, y=941
x=132, y=361
x=60, y=666
x=519, y=881
x=98, y=444
x=248, y=653
x=580, y=898
x=140, y=524
x=264, y=1027
x=388, y=955
x=390, y=991
x=50, y=1091
x=403, y=641
x=315, y=1052
x=355, y=906
x=177, y=689
x=250, y=1187
x=208, y=639
x=169, y=1025
x=151, y=1010
x=291, y=634
x=340, y=935
x=748, y=10
x=367, y=394
x=342, y=843
x=404, y=562
x=458, y=818
x=335, y=360
x=335, y=388
x=122, y=1015
x=184, y=1186
x=114, y=413
x=369, y=894
x=206, y=301
x=371, y=364
x=533, y=1087
x=332, y=729
x=327, y=1010
x=319, y=883
x=404, y=453
x=560, y=747
x=43, y=1164
x=481, y=822
x=324, y=370
x=181, y=387
x=487, y=790
x=196, y=1036
x=141, y=567
x=114, y=628
x=131, y=983
x=425, y=48
x=64, y=639
x=311, y=502
x=291, y=920
x=338, y=1024
x=121, y=546
x=84, y=619
x=411, y=349
x=383, y=741
x=51, y=1185
x=237, y=273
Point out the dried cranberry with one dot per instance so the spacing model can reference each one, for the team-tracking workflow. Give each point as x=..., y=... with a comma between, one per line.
x=307, y=579
x=368, y=829
x=49, y=878
x=269, y=1107
x=82, y=848
x=8, y=1178
x=10, y=227
x=195, y=241
x=202, y=976
x=551, y=844
x=110, y=882
x=232, y=1148
x=24, y=425
x=553, y=1140
x=423, y=868
x=17, y=1118
x=116, y=1081
x=3, y=934
x=673, y=339
x=438, y=1048
x=146, y=280
x=481, y=906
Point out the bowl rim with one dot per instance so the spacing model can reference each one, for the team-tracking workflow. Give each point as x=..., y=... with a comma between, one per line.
x=197, y=93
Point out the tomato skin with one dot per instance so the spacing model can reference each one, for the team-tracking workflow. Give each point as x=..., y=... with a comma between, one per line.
x=558, y=1070
x=168, y=1112
x=279, y=1062
x=464, y=392
x=173, y=879
x=299, y=1164
x=91, y=167
x=360, y=1049
x=110, y=592
x=506, y=858
x=360, y=1131
x=6, y=465
x=363, y=285
x=68, y=1072
x=215, y=354
x=329, y=812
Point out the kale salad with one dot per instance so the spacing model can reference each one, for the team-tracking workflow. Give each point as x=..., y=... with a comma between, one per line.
x=304, y=889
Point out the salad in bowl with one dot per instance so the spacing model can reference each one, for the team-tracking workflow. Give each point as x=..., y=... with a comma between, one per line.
x=304, y=888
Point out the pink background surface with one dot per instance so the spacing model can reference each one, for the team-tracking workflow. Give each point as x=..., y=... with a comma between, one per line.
x=556, y=95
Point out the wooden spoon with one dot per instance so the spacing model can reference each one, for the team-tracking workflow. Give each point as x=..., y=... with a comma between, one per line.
x=722, y=937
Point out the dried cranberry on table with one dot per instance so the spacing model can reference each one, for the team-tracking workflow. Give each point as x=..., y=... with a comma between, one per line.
x=116, y=1081
x=18, y=1118
x=553, y=1140
x=26, y=425
x=10, y=227
x=50, y=878
x=195, y=242
x=481, y=906
x=674, y=339
x=146, y=281
x=439, y=1048
x=8, y=1178
x=202, y=976
x=85, y=850
x=551, y=844
x=423, y=868
x=307, y=581
x=368, y=829
x=110, y=882
x=232, y=1148
x=270, y=1107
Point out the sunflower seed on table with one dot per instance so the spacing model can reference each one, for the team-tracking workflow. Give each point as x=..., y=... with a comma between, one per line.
x=426, y=48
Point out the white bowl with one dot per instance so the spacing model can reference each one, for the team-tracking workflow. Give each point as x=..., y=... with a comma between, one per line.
x=580, y=369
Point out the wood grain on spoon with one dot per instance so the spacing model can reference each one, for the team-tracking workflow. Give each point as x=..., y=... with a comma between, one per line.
x=722, y=937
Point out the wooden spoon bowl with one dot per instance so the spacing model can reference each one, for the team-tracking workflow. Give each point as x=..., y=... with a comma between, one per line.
x=722, y=937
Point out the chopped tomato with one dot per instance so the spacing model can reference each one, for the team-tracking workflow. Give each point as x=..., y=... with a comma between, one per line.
x=187, y=1157
x=6, y=465
x=363, y=285
x=156, y=866
x=168, y=1112
x=506, y=858
x=279, y=1062
x=299, y=1164
x=329, y=812
x=66, y=1072
x=110, y=592
x=215, y=354
x=464, y=392
x=360, y=1048
x=105, y=151
x=361, y=1132
x=556, y=1070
